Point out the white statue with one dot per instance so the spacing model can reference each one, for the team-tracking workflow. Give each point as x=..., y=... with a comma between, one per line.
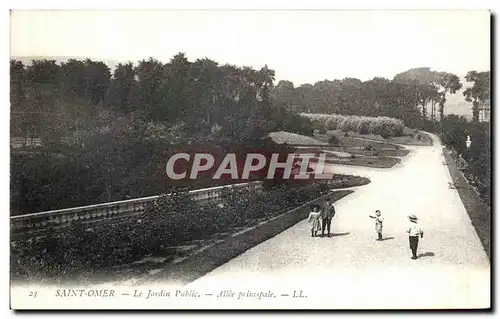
x=468, y=142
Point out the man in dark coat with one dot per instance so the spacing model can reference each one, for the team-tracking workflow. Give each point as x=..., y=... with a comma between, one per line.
x=327, y=213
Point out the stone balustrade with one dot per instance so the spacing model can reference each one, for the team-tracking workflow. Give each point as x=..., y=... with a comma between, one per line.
x=62, y=217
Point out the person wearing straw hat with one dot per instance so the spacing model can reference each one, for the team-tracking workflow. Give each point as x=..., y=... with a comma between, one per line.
x=414, y=232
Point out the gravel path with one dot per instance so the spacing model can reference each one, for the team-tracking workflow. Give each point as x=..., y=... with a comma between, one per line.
x=351, y=269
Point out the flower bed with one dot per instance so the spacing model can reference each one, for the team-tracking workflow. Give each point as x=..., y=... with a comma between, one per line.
x=479, y=211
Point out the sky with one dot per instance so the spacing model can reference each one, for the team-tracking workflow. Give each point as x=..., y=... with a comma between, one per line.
x=301, y=46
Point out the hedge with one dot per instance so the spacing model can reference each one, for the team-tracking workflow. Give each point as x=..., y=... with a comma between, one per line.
x=382, y=125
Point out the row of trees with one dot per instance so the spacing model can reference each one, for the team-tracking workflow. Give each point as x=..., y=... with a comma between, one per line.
x=54, y=101
x=107, y=136
x=416, y=96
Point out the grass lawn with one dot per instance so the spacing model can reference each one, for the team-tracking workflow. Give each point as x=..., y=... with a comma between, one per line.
x=349, y=151
x=350, y=142
x=410, y=137
x=357, y=141
x=295, y=139
x=382, y=152
x=366, y=161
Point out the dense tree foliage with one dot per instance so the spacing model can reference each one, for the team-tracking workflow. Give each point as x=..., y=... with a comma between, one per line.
x=200, y=95
x=407, y=97
x=105, y=133
x=455, y=130
x=479, y=158
x=105, y=136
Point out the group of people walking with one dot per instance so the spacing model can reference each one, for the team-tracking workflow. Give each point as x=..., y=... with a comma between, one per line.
x=321, y=217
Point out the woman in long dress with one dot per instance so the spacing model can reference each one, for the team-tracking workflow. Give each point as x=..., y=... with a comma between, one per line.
x=314, y=221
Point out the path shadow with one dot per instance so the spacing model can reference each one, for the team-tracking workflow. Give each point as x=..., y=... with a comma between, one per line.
x=334, y=234
x=387, y=238
x=426, y=254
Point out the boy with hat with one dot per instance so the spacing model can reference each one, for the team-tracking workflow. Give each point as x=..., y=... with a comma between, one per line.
x=414, y=232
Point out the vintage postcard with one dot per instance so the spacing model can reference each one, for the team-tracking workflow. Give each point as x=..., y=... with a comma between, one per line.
x=219, y=159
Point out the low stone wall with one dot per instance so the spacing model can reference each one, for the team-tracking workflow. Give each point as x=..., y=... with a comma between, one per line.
x=64, y=217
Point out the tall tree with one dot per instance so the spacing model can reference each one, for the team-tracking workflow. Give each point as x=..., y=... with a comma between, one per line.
x=176, y=85
x=304, y=94
x=19, y=117
x=479, y=92
x=97, y=77
x=443, y=83
x=121, y=95
x=205, y=78
x=378, y=97
x=42, y=84
x=450, y=83
x=151, y=93
x=283, y=92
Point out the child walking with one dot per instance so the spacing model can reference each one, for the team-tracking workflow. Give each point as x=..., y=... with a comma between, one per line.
x=378, y=223
x=314, y=221
x=414, y=232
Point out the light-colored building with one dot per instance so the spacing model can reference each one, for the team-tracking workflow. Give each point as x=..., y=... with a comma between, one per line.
x=484, y=110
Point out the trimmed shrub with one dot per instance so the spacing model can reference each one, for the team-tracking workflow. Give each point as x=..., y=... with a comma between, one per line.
x=364, y=127
x=334, y=140
x=346, y=125
x=398, y=130
x=383, y=126
x=333, y=122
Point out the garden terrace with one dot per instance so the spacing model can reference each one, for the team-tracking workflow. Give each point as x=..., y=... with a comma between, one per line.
x=84, y=252
x=95, y=213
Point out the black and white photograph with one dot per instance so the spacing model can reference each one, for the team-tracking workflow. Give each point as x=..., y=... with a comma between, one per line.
x=250, y=159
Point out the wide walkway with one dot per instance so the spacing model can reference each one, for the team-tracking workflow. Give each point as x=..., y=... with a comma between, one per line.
x=351, y=269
